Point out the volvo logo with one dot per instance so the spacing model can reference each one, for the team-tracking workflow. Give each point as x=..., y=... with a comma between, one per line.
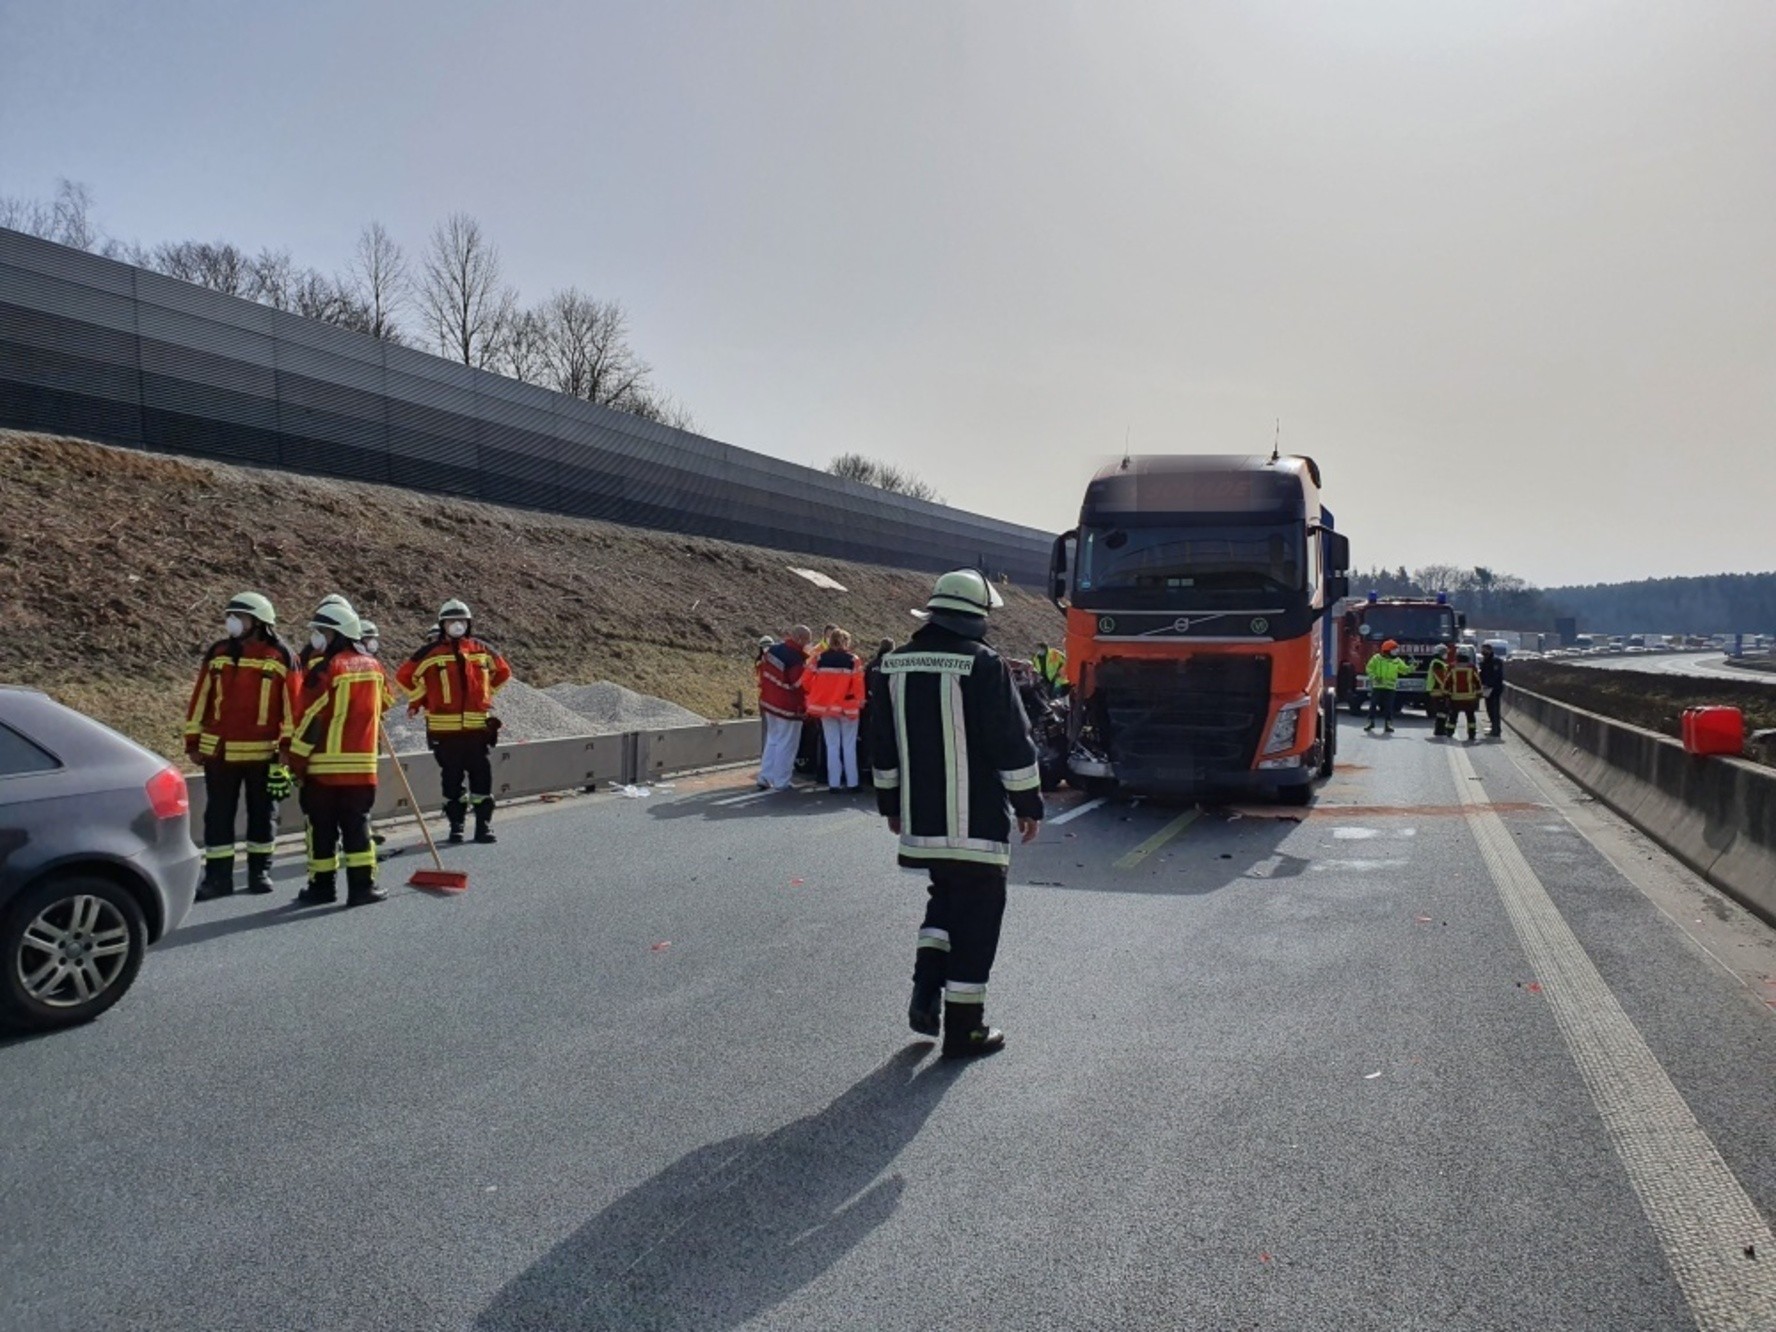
x=1261, y=625
x=1181, y=624
x=1106, y=625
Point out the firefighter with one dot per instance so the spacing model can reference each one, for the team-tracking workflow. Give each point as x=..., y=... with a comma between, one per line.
x=781, y=700
x=237, y=719
x=1464, y=692
x=297, y=705
x=1051, y=668
x=1492, y=681
x=1384, y=671
x=334, y=751
x=954, y=767
x=371, y=645
x=454, y=677
x=1437, y=690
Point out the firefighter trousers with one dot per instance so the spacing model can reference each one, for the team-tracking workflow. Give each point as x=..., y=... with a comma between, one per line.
x=339, y=833
x=464, y=757
x=224, y=786
x=960, y=934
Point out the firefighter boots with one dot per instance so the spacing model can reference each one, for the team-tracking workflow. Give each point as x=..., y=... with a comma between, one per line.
x=484, y=820
x=258, y=873
x=925, y=1009
x=453, y=811
x=966, y=1034
x=362, y=888
x=321, y=890
x=218, y=880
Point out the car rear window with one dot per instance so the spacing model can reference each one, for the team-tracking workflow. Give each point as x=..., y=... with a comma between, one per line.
x=19, y=757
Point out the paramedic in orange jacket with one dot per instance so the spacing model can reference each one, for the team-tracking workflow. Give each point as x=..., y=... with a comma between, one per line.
x=334, y=752
x=832, y=688
x=454, y=677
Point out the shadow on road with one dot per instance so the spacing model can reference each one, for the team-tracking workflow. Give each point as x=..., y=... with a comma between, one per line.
x=735, y=1228
x=802, y=802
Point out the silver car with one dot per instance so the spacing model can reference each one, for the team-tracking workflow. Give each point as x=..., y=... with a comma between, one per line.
x=96, y=860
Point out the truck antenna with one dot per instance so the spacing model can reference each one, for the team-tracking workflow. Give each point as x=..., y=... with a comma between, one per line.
x=1125, y=446
x=1276, y=448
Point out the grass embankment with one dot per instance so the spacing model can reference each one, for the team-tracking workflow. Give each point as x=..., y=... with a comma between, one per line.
x=115, y=565
x=1641, y=698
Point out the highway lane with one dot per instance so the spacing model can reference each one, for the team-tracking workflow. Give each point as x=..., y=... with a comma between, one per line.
x=651, y=1072
x=1708, y=665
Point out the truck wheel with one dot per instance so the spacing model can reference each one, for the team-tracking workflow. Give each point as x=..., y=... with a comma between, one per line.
x=1328, y=739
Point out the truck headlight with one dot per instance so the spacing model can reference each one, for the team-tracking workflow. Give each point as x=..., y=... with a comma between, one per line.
x=1286, y=727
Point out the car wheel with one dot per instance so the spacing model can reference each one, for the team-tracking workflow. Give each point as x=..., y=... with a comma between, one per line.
x=70, y=947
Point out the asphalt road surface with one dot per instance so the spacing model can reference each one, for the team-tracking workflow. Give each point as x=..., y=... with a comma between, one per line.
x=1423, y=1059
x=1708, y=665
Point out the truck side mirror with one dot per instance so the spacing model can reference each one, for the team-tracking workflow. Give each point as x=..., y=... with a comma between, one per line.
x=1338, y=587
x=1461, y=621
x=1338, y=555
x=1057, y=569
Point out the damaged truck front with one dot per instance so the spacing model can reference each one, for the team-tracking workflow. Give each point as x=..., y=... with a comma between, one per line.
x=1199, y=647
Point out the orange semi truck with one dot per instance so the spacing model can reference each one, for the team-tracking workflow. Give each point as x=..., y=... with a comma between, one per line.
x=1199, y=644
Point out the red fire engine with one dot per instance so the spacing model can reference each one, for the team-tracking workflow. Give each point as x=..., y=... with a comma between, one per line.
x=1424, y=627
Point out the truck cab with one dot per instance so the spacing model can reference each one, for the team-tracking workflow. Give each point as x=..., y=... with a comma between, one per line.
x=1424, y=627
x=1196, y=590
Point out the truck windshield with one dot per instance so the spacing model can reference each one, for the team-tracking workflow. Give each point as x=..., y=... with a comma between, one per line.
x=1170, y=567
x=1413, y=623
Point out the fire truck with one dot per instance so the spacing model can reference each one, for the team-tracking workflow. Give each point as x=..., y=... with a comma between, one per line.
x=1199, y=592
x=1424, y=627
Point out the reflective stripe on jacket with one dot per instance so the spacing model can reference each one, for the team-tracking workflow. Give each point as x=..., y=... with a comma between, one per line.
x=949, y=721
x=1437, y=677
x=780, y=673
x=239, y=710
x=1384, y=672
x=1051, y=668
x=337, y=740
x=833, y=685
x=1464, y=683
x=454, y=680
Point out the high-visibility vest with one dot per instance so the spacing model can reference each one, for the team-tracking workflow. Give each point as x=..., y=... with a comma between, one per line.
x=239, y=710
x=1464, y=683
x=337, y=740
x=1384, y=672
x=1051, y=667
x=833, y=685
x=1437, y=677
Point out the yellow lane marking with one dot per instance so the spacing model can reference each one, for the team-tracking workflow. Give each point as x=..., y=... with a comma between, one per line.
x=1159, y=839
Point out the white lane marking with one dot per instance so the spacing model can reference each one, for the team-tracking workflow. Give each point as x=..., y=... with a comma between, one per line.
x=1697, y=1208
x=1078, y=810
x=746, y=799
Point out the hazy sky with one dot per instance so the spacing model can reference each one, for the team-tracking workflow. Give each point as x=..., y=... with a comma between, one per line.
x=1507, y=268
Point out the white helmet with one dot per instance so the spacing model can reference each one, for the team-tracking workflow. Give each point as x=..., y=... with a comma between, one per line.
x=962, y=592
x=339, y=618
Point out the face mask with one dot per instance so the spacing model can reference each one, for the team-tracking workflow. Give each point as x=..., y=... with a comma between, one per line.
x=456, y=628
x=318, y=641
x=371, y=645
x=235, y=626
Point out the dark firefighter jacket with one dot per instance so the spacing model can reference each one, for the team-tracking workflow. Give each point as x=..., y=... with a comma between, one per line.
x=953, y=758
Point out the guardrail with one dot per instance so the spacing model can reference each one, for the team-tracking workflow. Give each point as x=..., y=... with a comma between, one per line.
x=540, y=767
x=1717, y=815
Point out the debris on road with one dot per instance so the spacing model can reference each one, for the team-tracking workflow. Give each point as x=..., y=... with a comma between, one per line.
x=661, y=947
x=634, y=792
x=1370, y=1077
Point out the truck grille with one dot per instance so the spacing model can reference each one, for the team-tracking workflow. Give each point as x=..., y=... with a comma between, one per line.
x=1171, y=725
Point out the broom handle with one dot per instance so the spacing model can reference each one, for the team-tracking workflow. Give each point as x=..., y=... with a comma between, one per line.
x=418, y=814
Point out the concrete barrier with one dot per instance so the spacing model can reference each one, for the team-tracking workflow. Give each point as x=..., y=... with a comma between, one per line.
x=544, y=766
x=1717, y=815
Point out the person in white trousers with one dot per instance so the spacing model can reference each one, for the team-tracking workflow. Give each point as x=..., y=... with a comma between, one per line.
x=782, y=703
x=834, y=688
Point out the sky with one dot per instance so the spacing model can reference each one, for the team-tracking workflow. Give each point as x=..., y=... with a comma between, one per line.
x=1505, y=268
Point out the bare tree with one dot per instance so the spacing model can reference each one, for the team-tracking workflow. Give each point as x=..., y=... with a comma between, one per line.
x=588, y=351
x=217, y=265
x=464, y=303
x=883, y=476
x=523, y=350
x=273, y=279
x=380, y=281
x=658, y=405
x=65, y=219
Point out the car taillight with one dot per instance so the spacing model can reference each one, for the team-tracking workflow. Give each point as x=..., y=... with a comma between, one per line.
x=168, y=795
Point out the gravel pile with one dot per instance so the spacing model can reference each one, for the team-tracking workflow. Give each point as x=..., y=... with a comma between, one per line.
x=524, y=713
x=606, y=709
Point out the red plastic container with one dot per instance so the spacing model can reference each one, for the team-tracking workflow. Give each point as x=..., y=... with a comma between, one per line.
x=1714, y=730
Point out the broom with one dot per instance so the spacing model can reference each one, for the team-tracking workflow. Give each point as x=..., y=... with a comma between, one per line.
x=451, y=881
